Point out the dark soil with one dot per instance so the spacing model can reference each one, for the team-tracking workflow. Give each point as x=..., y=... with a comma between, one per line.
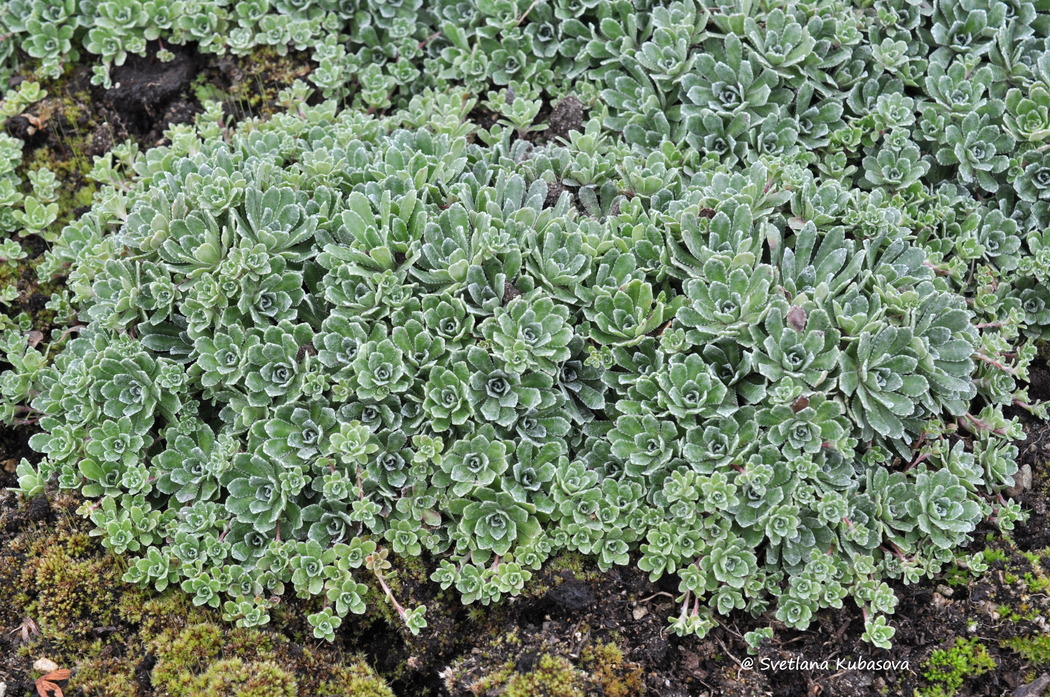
x=28, y=129
x=148, y=95
x=566, y=116
x=79, y=120
x=1039, y=381
x=14, y=445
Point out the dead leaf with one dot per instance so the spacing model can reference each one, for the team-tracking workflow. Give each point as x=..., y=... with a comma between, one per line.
x=29, y=629
x=35, y=123
x=47, y=685
x=45, y=688
x=796, y=318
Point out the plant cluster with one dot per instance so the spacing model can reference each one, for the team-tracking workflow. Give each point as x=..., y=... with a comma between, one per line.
x=378, y=53
x=23, y=214
x=753, y=325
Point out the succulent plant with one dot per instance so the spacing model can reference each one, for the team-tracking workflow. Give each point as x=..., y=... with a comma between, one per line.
x=690, y=324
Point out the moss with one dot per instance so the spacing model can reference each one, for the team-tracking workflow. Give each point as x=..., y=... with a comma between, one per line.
x=492, y=680
x=575, y=564
x=205, y=659
x=516, y=665
x=89, y=620
x=356, y=679
x=235, y=677
x=69, y=170
x=254, y=81
x=949, y=669
x=994, y=554
x=73, y=589
x=65, y=152
x=183, y=657
x=211, y=659
x=957, y=577
x=616, y=677
x=1033, y=648
x=553, y=676
x=1036, y=582
x=104, y=676
x=155, y=614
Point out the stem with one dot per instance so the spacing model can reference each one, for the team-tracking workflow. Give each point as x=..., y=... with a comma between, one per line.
x=920, y=458
x=430, y=38
x=937, y=269
x=390, y=595
x=986, y=426
x=895, y=549
x=526, y=12
x=997, y=364
x=63, y=336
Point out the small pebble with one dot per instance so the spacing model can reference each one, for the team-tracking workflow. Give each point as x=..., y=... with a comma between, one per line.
x=45, y=665
x=3, y=689
x=988, y=608
x=1022, y=482
x=639, y=612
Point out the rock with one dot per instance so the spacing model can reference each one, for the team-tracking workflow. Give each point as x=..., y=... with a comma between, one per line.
x=45, y=665
x=1032, y=689
x=989, y=608
x=3, y=689
x=639, y=612
x=1022, y=482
